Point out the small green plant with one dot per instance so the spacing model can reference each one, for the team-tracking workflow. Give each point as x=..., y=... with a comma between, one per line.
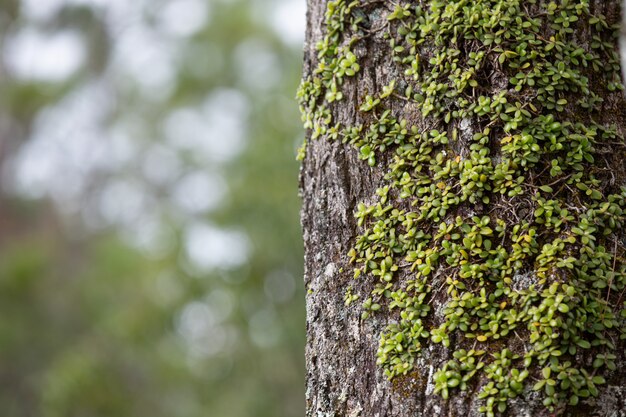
x=501, y=206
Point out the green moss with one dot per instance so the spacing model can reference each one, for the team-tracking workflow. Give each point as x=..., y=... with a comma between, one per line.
x=505, y=209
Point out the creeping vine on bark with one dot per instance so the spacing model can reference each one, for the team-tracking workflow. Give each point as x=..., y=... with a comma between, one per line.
x=503, y=202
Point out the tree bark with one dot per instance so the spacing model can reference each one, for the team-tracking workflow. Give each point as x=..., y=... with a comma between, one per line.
x=343, y=378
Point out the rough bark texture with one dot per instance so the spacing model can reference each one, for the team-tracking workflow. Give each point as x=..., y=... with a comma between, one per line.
x=342, y=376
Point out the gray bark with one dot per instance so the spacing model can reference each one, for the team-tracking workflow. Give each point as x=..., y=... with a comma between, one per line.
x=342, y=376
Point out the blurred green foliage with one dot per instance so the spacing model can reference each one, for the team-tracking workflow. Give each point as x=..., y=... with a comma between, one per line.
x=92, y=324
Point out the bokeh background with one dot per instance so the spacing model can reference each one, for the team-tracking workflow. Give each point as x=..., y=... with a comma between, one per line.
x=150, y=249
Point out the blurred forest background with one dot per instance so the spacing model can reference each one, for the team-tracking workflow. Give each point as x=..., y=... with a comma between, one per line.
x=150, y=249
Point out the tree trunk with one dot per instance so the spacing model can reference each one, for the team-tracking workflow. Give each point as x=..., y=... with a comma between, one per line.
x=462, y=208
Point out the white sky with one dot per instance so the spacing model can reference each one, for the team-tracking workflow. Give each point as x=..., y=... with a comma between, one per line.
x=36, y=55
x=210, y=248
x=288, y=19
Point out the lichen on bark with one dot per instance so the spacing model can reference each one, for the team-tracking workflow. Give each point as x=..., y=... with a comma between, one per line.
x=466, y=160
